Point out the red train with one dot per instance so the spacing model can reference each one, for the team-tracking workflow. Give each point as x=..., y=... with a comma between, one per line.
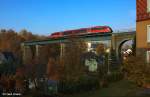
x=96, y=29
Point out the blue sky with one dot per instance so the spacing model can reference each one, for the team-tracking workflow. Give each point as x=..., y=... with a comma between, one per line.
x=46, y=16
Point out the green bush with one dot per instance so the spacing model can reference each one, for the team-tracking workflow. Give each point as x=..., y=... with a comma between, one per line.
x=114, y=76
x=83, y=84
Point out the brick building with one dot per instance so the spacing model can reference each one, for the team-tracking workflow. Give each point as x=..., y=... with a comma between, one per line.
x=143, y=28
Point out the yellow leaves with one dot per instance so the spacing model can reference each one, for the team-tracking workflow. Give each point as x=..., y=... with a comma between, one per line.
x=137, y=70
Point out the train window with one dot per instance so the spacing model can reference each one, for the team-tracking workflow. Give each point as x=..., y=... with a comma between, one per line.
x=65, y=33
x=55, y=33
x=81, y=31
x=97, y=28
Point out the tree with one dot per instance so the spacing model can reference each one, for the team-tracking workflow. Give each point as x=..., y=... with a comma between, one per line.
x=100, y=50
x=102, y=60
x=26, y=35
x=48, y=51
x=53, y=69
x=73, y=67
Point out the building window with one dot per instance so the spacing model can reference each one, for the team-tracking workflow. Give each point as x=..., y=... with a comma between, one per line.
x=148, y=33
x=148, y=5
x=148, y=56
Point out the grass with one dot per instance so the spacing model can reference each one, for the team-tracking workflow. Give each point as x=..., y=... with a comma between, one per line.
x=121, y=88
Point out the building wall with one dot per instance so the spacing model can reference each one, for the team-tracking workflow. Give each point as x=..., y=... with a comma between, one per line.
x=142, y=21
x=141, y=34
x=141, y=10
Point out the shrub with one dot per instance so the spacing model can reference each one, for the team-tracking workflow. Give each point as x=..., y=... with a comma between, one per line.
x=85, y=83
x=114, y=76
x=136, y=70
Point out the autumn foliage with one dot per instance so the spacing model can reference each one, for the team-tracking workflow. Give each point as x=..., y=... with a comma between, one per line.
x=71, y=60
x=137, y=70
x=10, y=40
